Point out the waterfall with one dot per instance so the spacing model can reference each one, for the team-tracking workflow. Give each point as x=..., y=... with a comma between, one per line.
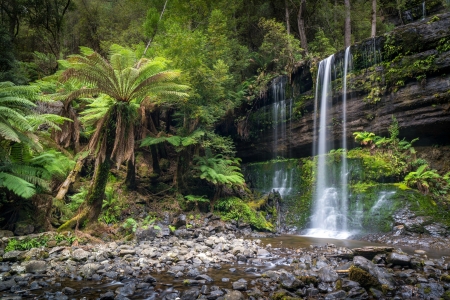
x=281, y=113
x=329, y=217
x=424, y=11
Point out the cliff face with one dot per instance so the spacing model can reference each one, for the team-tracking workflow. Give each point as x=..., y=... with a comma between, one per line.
x=412, y=83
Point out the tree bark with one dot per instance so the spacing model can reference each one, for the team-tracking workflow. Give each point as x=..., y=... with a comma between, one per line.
x=70, y=179
x=347, y=25
x=301, y=27
x=155, y=160
x=130, y=180
x=288, y=24
x=374, y=18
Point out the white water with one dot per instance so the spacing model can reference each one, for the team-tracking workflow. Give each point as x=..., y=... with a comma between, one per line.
x=329, y=217
x=424, y=11
x=282, y=179
x=382, y=199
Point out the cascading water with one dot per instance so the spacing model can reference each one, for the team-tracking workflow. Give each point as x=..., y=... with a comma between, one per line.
x=281, y=112
x=329, y=218
x=424, y=11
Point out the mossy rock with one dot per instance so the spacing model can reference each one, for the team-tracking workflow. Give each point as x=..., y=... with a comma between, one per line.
x=445, y=278
x=283, y=295
x=362, y=277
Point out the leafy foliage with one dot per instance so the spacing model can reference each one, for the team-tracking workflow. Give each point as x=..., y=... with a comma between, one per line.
x=220, y=171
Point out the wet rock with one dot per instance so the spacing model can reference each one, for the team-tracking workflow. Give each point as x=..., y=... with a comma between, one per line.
x=375, y=274
x=289, y=281
x=183, y=233
x=191, y=294
x=263, y=253
x=215, y=294
x=89, y=269
x=6, y=285
x=234, y=295
x=357, y=293
x=204, y=277
x=36, y=266
x=107, y=296
x=240, y=285
x=149, y=279
x=35, y=253
x=335, y=295
x=148, y=234
x=327, y=274
x=398, y=259
x=180, y=221
x=80, y=254
x=126, y=290
x=69, y=291
x=124, y=252
x=370, y=252
x=347, y=285
x=430, y=290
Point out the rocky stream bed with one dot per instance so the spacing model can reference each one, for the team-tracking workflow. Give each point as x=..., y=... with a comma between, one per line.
x=216, y=262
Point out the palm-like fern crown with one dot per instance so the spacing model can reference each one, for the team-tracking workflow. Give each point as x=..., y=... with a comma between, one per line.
x=124, y=77
x=125, y=82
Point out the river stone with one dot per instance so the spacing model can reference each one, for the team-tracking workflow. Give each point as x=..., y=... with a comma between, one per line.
x=148, y=234
x=369, y=252
x=89, y=269
x=204, y=277
x=215, y=294
x=240, y=285
x=335, y=295
x=6, y=285
x=6, y=233
x=357, y=293
x=37, y=253
x=191, y=294
x=36, y=266
x=183, y=233
x=379, y=274
x=180, y=220
x=14, y=255
x=234, y=295
x=399, y=259
x=289, y=281
x=327, y=274
x=107, y=296
x=80, y=254
x=430, y=290
x=263, y=253
x=126, y=290
x=69, y=291
x=124, y=252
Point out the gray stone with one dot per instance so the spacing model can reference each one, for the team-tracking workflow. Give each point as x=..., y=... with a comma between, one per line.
x=381, y=275
x=80, y=254
x=14, y=255
x=69, y=291
x=191, y=294
x=336, y=295
x=263, y=253
x=327, y=274
x=431, y=290
x=89, y=269
x=204, y=277
x=234, y=295
x=240, y=285
x=126, y=290
x=398, y=259
x=36, y=266
x=6, y=285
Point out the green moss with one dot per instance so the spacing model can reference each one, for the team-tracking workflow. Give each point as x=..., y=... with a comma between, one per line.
x=282, y=295
x=445, y=278
x=307, y=280
x=362, y=277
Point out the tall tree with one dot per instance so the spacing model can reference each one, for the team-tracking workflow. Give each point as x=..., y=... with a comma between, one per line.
x=123, y=83
x=301, y=26
x=347, y=27
x=374, y=18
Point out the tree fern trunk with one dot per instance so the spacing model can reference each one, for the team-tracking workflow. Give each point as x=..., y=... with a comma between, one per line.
x=130, y=181
x=155, y=160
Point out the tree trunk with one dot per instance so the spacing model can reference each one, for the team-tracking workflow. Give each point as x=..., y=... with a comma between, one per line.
x=155, y=160
x=70, y=179
x=301, y=27
x=288, y=24
x=374, y=18
x=130, y=180
x=347, y=25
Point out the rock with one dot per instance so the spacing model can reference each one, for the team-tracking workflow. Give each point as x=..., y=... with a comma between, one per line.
x=107, y=296
x=80, y=254
x=191, y=294
x=36, y=266
x=336, y=295
x=327, y=274
x=240, y=285
x=371, y=275
x=183, y=233
x=149, y=279
x=289, y=281
x=215, y=294
x=126, y=290
x=6, y=233
x=204, y=277
x=36, y=253
x=180, y=221
x=6, y=285
x=398, y=259
x=23, y=229
x=263, y=253
x=69, y=291
x=369, y=252
x=14, y=255
x=88, y=270
x=431, y=290
x=234, y=295
x=357, y=293
x=124, y=252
